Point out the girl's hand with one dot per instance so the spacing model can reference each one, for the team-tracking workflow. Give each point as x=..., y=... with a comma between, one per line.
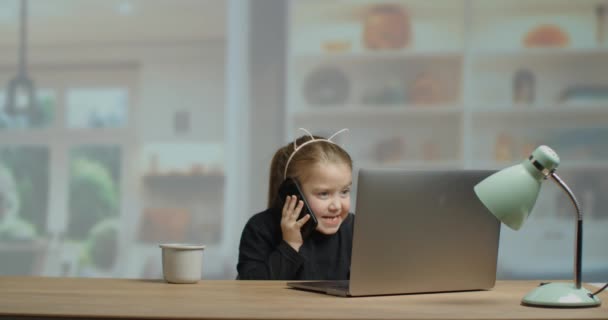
x=290, y=226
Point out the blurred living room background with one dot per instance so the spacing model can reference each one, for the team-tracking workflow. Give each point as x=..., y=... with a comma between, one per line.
x=129, y=123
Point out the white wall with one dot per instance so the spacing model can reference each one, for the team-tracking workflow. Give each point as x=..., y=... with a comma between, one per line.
x=194, y=83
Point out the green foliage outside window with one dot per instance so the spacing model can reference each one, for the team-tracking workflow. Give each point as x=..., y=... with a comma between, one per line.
x=29, y=166
x=93, y=190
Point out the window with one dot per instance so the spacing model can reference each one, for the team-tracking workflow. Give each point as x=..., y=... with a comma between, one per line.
x=80, y=129
x=40, y=116
x=97, y=107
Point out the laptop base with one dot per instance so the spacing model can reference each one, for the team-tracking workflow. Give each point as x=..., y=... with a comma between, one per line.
x=334, y=288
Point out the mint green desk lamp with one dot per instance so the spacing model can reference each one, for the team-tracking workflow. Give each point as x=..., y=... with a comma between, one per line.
x=510, y=194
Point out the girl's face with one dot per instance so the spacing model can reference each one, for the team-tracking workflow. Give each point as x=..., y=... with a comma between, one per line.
x=327, y=190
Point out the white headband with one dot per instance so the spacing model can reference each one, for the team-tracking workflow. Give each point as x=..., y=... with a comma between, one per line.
x=312, y=139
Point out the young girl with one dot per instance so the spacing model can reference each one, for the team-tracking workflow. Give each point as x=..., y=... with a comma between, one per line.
x=272, y=247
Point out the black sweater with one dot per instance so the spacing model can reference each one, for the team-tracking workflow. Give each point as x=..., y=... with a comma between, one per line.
x=264, y=255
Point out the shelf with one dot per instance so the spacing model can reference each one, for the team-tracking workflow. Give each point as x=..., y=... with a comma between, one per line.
x=584, y=165
x=378, y=111
x=386, y=120
x=522, y=7
x=80, y=136
x=379, y=55
x=536, y=52
x=414, y=165
x=570, y=165
x=562, y=114
x=542, y=55
x=528, y=110
x=211, y=177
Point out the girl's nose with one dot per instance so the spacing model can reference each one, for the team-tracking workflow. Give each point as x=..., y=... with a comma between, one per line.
x=335, y=205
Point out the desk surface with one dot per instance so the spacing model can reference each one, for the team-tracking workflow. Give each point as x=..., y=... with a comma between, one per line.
x=128, y=298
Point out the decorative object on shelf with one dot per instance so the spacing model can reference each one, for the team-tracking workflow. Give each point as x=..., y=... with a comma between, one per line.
x=546, y=35
x=584, y=95
x=600, y=23
x=510, y=195
x=523, y=87
x=391, y=93
x=198, y=169
x=387, y=26
x=164, y=224
x=326, y=86
x=503, y=148
x=181, y=121
x=425, y=90
x=336, y=46
x=390, y=150
x=430, y=150
x=527, y=148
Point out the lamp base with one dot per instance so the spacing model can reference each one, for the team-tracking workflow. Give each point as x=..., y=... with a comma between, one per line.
x=562, y=295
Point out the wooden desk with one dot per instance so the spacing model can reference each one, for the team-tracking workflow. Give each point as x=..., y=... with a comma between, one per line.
x=123, y=298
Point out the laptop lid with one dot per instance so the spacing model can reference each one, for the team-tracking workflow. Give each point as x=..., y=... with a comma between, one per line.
x=421, y=231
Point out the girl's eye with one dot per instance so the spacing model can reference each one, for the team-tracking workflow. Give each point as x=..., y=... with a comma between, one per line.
x=323, y=194
x=345, y=192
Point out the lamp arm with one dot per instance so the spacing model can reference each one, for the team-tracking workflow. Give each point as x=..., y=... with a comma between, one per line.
x=579, y=230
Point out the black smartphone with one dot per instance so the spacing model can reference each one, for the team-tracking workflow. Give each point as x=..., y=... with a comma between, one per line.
x=291, y=187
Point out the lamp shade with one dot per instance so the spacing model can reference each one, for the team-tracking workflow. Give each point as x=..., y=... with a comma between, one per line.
x=510, y=194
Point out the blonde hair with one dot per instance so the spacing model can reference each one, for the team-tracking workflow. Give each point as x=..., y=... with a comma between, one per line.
x=306, y=157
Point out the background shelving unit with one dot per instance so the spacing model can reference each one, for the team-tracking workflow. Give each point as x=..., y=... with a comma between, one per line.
x=473, y=49
x=387, y=127
x=182, y=202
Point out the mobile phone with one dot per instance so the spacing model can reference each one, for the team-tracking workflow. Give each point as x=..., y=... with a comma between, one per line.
x=291, y=187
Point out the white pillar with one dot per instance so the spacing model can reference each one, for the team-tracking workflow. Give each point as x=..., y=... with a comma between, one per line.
x=237, y=144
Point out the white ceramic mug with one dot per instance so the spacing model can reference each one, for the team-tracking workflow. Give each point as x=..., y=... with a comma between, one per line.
x=182, y=263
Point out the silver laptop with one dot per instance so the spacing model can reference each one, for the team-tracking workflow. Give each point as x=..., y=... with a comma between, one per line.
x=416, y=232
